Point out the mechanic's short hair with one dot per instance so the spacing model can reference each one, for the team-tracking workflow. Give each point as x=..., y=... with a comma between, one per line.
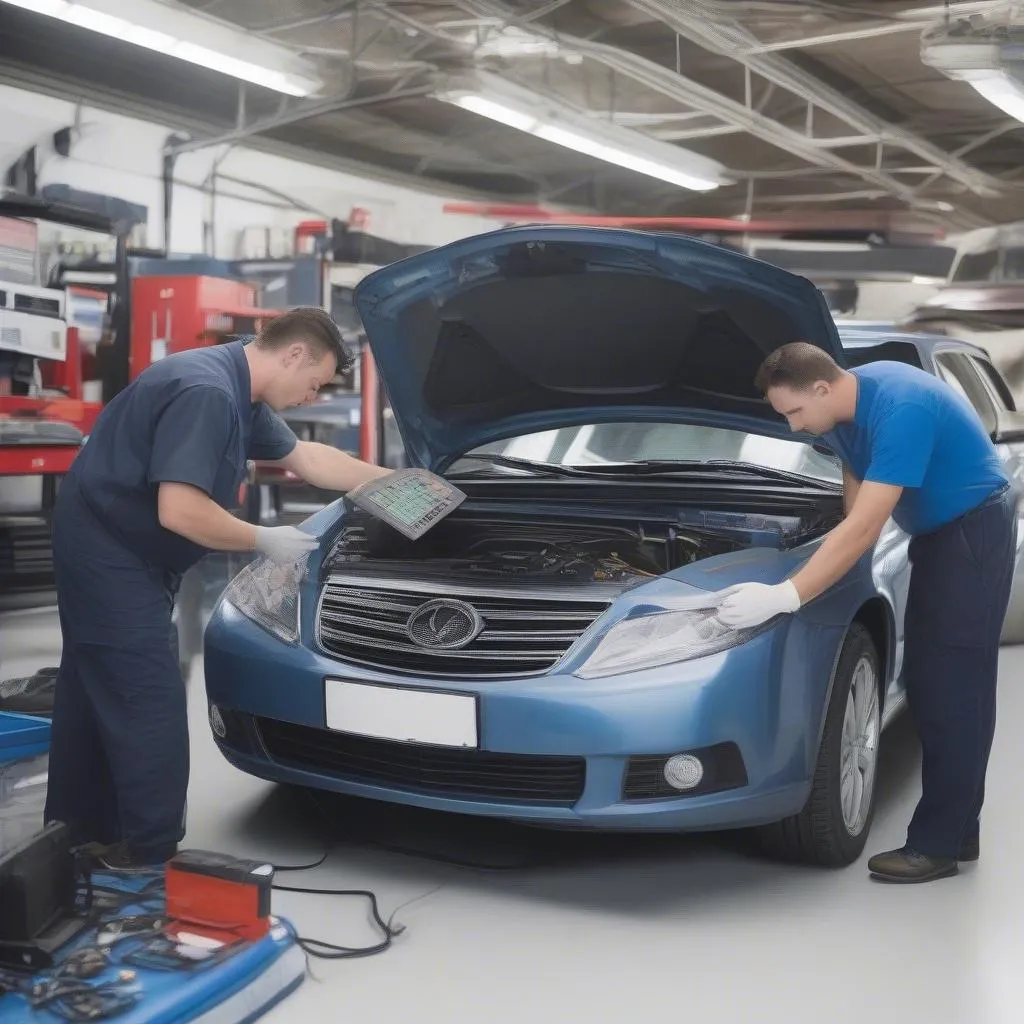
x=310, y=325
x=798, y=365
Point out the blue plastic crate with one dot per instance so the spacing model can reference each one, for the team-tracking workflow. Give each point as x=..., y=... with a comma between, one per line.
x=22, y=736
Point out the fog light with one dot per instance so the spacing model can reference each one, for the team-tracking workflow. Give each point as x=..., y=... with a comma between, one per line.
x=684, y=771
x=220, y=730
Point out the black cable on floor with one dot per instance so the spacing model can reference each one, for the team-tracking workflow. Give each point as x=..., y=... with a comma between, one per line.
x=329, y=842
x=305, y=867
x=330, y=951
x=321, y=949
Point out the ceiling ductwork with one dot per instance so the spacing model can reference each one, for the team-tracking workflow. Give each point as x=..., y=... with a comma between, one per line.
x=694, y=21
x=989, y=58
x=720, y=108
x=702, y=23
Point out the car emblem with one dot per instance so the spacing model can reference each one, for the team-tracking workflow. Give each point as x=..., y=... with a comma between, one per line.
x=444, y=625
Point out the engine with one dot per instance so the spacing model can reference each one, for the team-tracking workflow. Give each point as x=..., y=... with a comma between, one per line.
x=538, y=552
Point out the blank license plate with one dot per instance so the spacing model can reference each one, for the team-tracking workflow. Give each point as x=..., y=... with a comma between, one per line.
x=406, y=715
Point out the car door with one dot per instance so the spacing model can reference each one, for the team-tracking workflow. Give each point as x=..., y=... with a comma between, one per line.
x=977, y=379
x=984, y=387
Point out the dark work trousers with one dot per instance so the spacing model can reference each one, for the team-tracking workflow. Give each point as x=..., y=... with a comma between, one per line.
x=119, y=755
x=959, y=591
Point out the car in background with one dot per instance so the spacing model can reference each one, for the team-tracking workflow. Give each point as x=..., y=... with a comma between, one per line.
x=550, y=652
x=970, y=371
x=982, y=299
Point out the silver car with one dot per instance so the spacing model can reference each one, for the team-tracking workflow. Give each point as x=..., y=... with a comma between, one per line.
x=969, y=370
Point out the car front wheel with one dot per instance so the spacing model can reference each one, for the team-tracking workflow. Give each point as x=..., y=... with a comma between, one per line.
x=833, y=826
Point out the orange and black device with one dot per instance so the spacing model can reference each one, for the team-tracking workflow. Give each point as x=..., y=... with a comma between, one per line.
x=219, y=894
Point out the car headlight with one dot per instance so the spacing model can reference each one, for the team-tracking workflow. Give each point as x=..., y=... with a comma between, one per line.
x=661, y=638
x=268, y=594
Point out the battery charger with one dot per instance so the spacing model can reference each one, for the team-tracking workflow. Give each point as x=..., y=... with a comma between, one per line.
x=38, y=886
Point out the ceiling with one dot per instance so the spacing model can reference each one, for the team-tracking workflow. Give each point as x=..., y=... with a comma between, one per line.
x=809, y=104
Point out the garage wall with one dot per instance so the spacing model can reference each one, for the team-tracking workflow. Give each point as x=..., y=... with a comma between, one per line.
x=121, y=156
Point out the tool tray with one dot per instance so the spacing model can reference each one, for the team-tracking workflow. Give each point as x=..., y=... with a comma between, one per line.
x=238, y=985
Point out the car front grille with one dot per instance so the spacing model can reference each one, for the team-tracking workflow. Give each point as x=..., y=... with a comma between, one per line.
x=524, y=633
x=452, y=772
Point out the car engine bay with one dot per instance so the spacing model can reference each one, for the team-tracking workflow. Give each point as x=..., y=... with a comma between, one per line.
x=474, y=547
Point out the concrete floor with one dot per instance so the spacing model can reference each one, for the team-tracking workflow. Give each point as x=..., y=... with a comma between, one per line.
x=594, y=929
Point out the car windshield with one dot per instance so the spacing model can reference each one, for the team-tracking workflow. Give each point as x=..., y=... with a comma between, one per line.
x=626, y=443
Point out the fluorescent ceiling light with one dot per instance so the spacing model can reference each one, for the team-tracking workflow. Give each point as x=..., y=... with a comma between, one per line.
x=492, y=97
x=188, y=36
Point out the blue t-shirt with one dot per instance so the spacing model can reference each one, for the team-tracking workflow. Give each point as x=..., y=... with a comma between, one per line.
x=190, y=419
x=911, y=429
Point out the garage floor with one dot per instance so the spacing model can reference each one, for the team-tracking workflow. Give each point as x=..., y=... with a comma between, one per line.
x=593, y=929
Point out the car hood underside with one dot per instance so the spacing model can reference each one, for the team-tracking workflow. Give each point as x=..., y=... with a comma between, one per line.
x=529, y=329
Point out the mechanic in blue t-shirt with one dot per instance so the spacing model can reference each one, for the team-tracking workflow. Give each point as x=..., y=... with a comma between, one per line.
x=915, y=450
x=145, y=499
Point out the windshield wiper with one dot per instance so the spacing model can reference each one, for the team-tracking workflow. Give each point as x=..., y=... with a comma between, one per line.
x=648, y=467
x=712, y=466
x=537, y=468
x=774, y=474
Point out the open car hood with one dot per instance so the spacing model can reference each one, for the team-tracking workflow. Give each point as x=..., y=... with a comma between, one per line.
x=529, y=329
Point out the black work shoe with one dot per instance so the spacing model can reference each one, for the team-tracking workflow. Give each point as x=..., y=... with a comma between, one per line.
x=116, y=859
x=908, y=865
x=970, y=850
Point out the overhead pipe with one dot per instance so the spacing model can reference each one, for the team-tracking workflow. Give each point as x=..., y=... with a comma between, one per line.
x=902, y=21
x=730, y=39
x=686, y=91
x=668, y=82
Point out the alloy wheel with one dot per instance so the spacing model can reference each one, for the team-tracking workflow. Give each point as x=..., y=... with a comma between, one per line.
x=859, y=749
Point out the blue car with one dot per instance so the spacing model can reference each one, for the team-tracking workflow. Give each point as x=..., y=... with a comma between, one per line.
x=550, y=653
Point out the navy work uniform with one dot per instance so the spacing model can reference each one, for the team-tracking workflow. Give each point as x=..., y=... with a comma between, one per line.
x=119, y=757
x=914, y=431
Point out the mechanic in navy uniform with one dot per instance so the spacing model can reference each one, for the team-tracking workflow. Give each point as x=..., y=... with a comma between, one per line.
x=915, y=450
x=145, y=499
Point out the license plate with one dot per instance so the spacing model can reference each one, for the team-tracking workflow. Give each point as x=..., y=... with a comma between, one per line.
x=403, y=714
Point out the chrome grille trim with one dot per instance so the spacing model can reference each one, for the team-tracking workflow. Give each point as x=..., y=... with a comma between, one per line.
x=432, y=588
x=527, y=631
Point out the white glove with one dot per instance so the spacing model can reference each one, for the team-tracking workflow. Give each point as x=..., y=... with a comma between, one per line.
x=751, y=604
x=284, y=544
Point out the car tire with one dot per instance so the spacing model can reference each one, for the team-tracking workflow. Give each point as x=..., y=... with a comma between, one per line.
x=820, y=833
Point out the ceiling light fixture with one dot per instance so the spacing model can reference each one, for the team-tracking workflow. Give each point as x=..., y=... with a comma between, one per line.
x=993, y=67
x=187, y=36
x=492, y=97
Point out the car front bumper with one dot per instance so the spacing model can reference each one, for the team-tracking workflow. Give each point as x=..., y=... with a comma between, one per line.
x=265, y=690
